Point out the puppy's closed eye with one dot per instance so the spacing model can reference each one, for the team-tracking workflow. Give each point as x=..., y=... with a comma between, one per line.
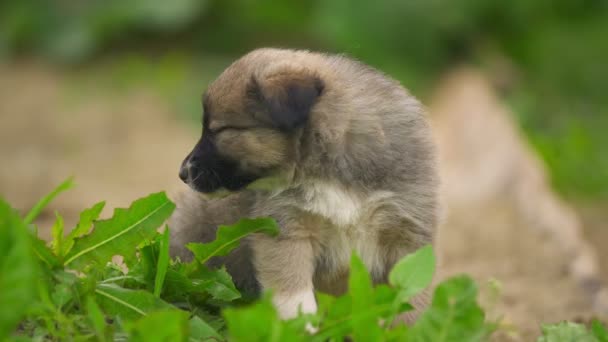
x=259, y=146
x=234, y=129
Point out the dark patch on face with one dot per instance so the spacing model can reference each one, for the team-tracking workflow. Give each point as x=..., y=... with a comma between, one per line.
x=206, y=170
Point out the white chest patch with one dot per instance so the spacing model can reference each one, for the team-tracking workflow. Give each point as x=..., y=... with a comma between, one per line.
x=333, y=202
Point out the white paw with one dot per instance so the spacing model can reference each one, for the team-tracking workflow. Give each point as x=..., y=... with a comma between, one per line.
x=311, y=330
x=288, y=304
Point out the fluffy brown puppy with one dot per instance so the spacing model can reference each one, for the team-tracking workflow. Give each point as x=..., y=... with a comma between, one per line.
x=353, y=150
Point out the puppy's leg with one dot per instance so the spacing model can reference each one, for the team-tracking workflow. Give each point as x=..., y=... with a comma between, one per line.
x=420, y=301
x=196, y=220
x=286, y=266
x=399, y=234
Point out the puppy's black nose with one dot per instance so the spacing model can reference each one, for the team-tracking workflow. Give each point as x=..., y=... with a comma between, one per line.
x=183, y=173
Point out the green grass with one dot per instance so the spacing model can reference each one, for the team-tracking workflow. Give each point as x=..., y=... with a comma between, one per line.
x=72, y=288
x=572, y=144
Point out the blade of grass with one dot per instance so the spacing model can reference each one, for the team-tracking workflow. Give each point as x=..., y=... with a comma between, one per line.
x=57, y=233
x=163, y=263
x=96, y=318
x=37, y=209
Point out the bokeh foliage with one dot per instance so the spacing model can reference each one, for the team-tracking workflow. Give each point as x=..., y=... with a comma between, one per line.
x=556, y=51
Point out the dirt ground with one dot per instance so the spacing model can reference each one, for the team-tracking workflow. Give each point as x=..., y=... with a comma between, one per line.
x=125, y=148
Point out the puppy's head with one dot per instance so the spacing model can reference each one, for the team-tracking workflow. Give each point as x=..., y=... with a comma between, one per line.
x=251, y=116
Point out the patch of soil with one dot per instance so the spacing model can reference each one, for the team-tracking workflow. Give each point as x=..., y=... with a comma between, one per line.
x=118, y=148
x=595, y=219
x=534, y=286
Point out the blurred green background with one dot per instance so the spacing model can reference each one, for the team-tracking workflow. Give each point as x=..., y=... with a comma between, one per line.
x=549, y=57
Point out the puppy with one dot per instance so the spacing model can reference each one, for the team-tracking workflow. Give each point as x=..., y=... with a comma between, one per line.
x=353, y=151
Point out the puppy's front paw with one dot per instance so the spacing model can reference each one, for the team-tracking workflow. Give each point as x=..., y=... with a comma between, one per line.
x=288, y=304
x=310, y=329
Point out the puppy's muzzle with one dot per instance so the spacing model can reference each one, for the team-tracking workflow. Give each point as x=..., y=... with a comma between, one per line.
x=203, y=174
x=184, y=171
x=191, y=172
x=204, y=170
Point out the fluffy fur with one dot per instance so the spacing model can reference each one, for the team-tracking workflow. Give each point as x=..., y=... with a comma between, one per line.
x=355, y=150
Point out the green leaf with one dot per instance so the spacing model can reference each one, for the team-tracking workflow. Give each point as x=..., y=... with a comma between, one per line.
x=169, y=325
x=126, y=303
x=217, y=283
x=184, y=282
x=453, y=315
x=228, y=237
x=269, y=183
x=398, y=333
x=259, y=322
x=336, y=317
x=334, y=308
x=64, y=289
x=122, y=233
x=57, y=233
x=18, y=270
x=37, y=209
x=340, y=317
x=387, y=296
x=178, y=285
x=414, y=272
x=599, y=331
x=87, y=217
x=97, y=319
x=364, y=327
x=44, y=253
x=148, y=262
x=565, y=331
x=202, y=331
x=163, y=263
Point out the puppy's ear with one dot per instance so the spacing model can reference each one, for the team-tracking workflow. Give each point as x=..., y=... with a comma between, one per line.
x=287, y=97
